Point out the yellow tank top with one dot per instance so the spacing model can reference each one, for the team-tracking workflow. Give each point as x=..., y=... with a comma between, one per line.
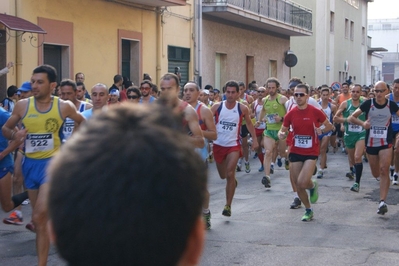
x=44, y=130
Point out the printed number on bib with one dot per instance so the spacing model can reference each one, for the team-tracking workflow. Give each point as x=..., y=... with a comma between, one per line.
x=379, y=132
x=39, y=142
x=354, y=128
x=303, y=141
x=271, y=119
x=227, y=126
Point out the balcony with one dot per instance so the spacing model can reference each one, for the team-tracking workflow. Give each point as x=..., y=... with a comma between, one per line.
x=152, y=3
x=278, y=16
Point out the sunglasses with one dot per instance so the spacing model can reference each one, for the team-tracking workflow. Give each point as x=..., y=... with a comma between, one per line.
x=300, y=94
x=261, y=91
x=132, y=97
x=379, y=91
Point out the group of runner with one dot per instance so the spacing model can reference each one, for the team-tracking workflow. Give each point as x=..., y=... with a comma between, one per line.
x=293, y=127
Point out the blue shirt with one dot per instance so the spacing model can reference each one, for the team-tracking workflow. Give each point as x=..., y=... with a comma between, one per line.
x=87, y=113
x=7, y=160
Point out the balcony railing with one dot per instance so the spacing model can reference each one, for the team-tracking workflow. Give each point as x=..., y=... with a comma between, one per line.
x=280, y=10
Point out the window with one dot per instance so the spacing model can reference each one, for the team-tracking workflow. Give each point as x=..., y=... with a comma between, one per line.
x=179, y=57
x=352, y=30
x=131, y=60
x=220, y=70
x=58, y=57
x=273, y=68
x=386, y=26
x=332, y=21
x=346, y=28
x=250, y=65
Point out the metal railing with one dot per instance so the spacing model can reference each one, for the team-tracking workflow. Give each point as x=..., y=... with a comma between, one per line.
x=280, y=10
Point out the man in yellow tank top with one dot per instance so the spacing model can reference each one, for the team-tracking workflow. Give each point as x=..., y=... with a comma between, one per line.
x=42, y=116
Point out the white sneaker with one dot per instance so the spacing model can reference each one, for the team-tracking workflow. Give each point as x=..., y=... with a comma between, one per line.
x=26, y=202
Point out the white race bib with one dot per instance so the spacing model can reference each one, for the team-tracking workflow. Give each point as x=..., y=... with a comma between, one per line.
x=227, y=126
x=303, y=141
x=271, y=119
x=379, y=132
x=39, y=142
x=354, y=128
x=68, y=128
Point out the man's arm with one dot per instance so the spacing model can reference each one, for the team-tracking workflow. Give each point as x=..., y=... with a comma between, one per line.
x=207, y=117
x=354, y=119
x=250, y=127
x=337, y=117
x=9, y=128
x=68, y=109
x=197, y=139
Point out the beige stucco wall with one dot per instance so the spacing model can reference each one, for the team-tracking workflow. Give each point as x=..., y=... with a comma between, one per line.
x=95, y=36
x=237, y=43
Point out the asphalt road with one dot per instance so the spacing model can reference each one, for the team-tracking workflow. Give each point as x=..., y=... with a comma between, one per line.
x=263, y=230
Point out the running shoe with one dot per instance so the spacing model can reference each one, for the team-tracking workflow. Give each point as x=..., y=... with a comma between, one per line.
x=207, y=218
x=31, y=227
x=279, y=162
x=13, y=219
x=350, y=175
x=320, y=174
x=382, y=208
x=255, y=155
x=296, y=203
x=238, y=168
x=261, y=169
x=247, y=167
x=314, y=192
x=355, y=187
x=25, y=202
x=266, y=181
x=271, y=169
x=395, y=180
x=287, y=164
x=391, y=170
x=307, y=216
x=226, y=211
x=315, y=170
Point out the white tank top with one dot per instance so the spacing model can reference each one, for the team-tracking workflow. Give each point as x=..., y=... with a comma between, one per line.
x=69, y=124
x=258, y=108
x=228, y=125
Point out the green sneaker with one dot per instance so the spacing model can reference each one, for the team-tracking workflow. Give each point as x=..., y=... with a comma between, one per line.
x=307, y=216
x=207, y=218
x=247, y=168
x=226, y=211
x=355, y=187
x=314, y=192
x=287, y=164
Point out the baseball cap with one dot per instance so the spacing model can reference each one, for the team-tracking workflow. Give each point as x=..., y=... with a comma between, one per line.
x=25, y=87
x=114, y=92
x=206, y=92
x=293, y=84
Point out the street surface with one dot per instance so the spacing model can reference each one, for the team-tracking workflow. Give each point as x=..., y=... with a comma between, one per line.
x=263, y=230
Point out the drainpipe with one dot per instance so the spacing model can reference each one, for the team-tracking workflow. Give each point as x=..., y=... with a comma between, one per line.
x=198, y=41
x=159, y=43
x=18, y=52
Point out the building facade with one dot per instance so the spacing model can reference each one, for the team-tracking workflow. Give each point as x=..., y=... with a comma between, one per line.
x=100, y=38
x=338, y=47
x=385, y=33
x=248, y=40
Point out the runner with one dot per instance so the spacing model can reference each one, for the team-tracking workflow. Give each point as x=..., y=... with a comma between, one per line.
x=42, y=116
x=354, y=134
x=329, y=109
x=305, y=120
x=379, y=137
x=394, y=97
x=256, y=108
x=274, y=110
x=205, y=118
x=226, y=148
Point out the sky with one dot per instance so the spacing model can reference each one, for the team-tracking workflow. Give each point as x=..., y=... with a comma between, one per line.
x=383, y=9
